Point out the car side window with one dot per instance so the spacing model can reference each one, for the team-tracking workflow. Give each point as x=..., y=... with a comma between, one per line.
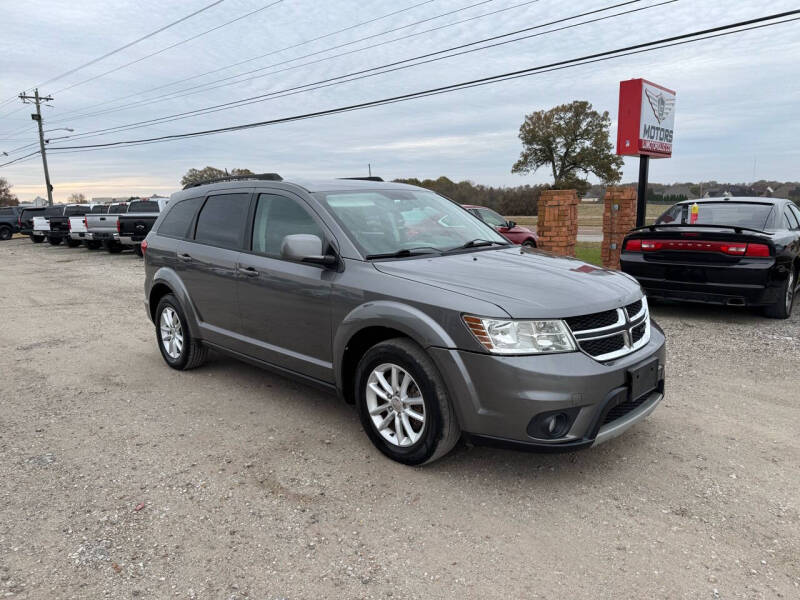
x=794, y=217
x=275, y=218
x=177, y=221
x=491, y=217
x=788, y=220
x=221, y=220
x=6, y=211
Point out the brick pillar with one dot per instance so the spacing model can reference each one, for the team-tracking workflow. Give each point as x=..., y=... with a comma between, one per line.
x=558, y=221
x=619, y=217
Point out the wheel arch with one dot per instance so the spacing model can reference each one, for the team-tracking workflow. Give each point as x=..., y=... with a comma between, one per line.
x=372, y=323
x=166, y=281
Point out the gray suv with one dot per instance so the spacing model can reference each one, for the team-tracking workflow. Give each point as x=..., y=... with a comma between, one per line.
x=424, y=317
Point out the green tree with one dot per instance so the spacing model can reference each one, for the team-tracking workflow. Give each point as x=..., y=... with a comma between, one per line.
x=6, y=197
x=200, y=175
x=573, y=140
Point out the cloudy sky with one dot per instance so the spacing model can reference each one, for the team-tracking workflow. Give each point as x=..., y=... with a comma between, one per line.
x=736, y=119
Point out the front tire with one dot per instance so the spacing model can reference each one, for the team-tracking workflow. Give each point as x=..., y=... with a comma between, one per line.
x=782, y=308
x=529, y=244
x=5, y=234
x=179, y=349
x=403, y=403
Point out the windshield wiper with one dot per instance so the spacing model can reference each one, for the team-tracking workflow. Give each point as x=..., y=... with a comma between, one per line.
x=476, y=243
x=403, y=252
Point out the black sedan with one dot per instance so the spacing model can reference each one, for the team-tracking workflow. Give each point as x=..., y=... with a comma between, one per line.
x=729, y=251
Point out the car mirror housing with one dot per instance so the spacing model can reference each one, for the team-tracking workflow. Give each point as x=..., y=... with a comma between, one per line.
x=511, y=224
x=307, y=248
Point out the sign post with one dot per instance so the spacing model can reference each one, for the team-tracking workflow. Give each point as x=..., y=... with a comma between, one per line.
x=645, y=129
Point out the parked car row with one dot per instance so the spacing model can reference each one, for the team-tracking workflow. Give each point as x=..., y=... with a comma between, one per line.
x=114, y=226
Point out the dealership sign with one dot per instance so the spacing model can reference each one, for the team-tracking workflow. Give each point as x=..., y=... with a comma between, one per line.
x=646, y=119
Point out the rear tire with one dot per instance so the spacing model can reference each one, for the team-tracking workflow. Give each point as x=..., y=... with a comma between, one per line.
x=37, y=239
x=179, y=350
x=138, y=249
x=5, y=233
x=401, y=406
x=54, y=241
x=782, y=308
x=93, y=245
x=113, y=247
x=73, y=243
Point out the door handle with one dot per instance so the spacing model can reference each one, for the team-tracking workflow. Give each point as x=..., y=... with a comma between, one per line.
x=185, y=257
x=247, y=271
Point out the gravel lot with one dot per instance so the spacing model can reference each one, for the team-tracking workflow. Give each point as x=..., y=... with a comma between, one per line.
x=125, y=479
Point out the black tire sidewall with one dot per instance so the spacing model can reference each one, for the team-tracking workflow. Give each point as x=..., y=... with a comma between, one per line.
x=424, y=448
x=183, y=359
x=5, y=233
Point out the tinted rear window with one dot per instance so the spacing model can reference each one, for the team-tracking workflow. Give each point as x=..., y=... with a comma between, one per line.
x=118, y=209
x=221, y=220
x=739, y=214
x=72, y=211
x=177, y=221
x=53, y=211
x=99, y=209
x=29, y=213
x=149, y=206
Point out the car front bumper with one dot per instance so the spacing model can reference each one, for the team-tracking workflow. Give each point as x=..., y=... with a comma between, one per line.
x=750, y=282
x=497, y=398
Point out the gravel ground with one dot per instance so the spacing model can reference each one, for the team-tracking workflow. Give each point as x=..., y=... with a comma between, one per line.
x=125, y=479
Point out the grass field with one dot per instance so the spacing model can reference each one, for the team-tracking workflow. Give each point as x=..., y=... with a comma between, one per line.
x=591, y=215
x=589, y=252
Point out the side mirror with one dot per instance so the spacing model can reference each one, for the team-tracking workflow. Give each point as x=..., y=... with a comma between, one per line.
x=511, y=224
x=307, y=248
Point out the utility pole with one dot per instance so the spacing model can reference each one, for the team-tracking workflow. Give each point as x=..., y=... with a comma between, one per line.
x=37, y=116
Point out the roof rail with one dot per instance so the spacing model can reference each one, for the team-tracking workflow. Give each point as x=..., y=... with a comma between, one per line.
x=370, y=178
x=262, y=176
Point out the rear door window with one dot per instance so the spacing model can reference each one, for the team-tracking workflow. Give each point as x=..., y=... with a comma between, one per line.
x=791, y=219
x=795, y=211
x=276, y=217
x=222, y=219
x=177, y=221
x=145, y=206
x=73, y=211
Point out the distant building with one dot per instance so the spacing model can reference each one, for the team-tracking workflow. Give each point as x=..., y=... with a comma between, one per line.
x=39, y=201
x=109, y=199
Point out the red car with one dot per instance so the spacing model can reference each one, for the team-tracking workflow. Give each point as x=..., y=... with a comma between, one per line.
x=516, y=233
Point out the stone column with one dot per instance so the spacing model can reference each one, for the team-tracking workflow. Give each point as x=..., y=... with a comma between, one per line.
x=558, y=221
x=619, y=217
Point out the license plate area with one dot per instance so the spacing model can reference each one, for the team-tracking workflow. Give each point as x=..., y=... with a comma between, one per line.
x=643, y=379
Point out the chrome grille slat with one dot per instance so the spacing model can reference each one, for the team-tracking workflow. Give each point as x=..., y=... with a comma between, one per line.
x=629, y=332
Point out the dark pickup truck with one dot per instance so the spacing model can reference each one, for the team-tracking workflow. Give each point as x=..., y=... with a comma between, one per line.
x=59, y=224
x=134, y=225
x=9, y=221
x=25, y=220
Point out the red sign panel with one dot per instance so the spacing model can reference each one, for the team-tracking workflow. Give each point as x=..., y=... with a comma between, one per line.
x=646, y=122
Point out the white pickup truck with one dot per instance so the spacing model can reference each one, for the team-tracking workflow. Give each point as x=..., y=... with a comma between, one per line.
x=41, y=224
x=78, y=227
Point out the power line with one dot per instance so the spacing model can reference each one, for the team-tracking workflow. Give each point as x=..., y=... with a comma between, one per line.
x=686, y=38
x=121, y=48
x=332, y=33
x=378, y=70
x=20, y=159
x=170, y=47
x=71, y=116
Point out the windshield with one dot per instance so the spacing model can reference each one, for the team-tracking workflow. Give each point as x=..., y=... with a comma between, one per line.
x=736, y=214
x=389, y=221
x=143, y=206
x=491, y=217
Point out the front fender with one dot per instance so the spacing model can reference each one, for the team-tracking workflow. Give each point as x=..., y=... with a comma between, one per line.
x=411, y=321
x=168, y=277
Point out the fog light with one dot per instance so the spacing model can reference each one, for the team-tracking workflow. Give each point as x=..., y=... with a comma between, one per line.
x=552, y=425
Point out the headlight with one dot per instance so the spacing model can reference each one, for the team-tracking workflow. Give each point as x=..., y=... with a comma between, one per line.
x=508, y=336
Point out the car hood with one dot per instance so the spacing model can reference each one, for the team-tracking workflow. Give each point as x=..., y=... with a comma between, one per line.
x=525, y=283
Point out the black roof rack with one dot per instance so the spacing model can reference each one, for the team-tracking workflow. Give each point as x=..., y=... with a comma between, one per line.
x=262, y=176
x=370, y=178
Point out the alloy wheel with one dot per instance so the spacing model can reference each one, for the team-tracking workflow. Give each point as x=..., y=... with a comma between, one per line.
x=171, y=333
x=395, y=405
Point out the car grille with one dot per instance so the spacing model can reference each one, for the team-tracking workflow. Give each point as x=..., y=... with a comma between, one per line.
x=620, y=410
x=593, y=321
x=634, y=309
x=613, y=333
